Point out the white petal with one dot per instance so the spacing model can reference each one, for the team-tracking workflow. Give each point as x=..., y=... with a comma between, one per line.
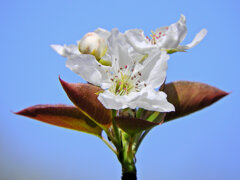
x=111, y=101
x=124, y=57
x=58, y=48
x=118, y=50
x=112, y=44
x=116, y=38
x=89, y=69
x=154, y=69
x=66, y=50
x=103, y=33
x=152, y=100
x=174, y=35
x=147, y=98
x=198, y=38
x=137, y=39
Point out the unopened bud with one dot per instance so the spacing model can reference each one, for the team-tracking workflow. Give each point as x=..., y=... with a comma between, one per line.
x=93, y=44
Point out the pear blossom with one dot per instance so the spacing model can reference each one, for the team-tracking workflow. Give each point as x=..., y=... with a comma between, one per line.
x=92, y=43
x=129, y=81
x=168, y=37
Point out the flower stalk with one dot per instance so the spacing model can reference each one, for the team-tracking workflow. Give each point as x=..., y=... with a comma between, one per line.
x=117, y=138
x=127, y=158
x=125, y=153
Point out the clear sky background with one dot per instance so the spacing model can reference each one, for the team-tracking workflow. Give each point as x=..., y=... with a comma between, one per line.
x=202, y=146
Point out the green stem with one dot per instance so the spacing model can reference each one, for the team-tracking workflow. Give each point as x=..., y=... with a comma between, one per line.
x=115, y=129
x=128, y=166
x=127, y=158
x=139, y=113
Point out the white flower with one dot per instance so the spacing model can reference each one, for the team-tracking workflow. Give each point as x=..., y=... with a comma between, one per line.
x=92, y=43
x=128, y=82
x=168, y=37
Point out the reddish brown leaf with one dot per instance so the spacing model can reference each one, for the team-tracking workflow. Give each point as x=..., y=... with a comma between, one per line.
x=188, y=97
x=85, y=98
x=62, y=115
x=133, y=125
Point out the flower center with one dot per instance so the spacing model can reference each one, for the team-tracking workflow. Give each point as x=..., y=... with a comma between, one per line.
x=125, y=80
x=156, y=35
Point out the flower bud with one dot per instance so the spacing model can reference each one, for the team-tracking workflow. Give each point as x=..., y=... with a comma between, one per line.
x=93, y=44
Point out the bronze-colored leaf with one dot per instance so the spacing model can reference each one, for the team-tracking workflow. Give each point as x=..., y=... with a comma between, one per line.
x=63, y=116
x=188, y=97
x=133, y=125
x=84, y=96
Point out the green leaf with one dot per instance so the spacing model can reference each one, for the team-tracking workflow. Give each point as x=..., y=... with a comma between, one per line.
x=84, y=96
x=189, y=97
x=63, y=116
x=134, y=125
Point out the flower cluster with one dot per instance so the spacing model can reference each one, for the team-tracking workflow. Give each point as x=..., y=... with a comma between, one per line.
x=126, y=95
x=128, y=66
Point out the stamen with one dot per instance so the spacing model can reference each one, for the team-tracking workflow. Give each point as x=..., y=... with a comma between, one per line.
x=156, y=36
x=125, y=80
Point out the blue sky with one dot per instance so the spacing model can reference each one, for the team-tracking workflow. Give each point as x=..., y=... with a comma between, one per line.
x=204, y=145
